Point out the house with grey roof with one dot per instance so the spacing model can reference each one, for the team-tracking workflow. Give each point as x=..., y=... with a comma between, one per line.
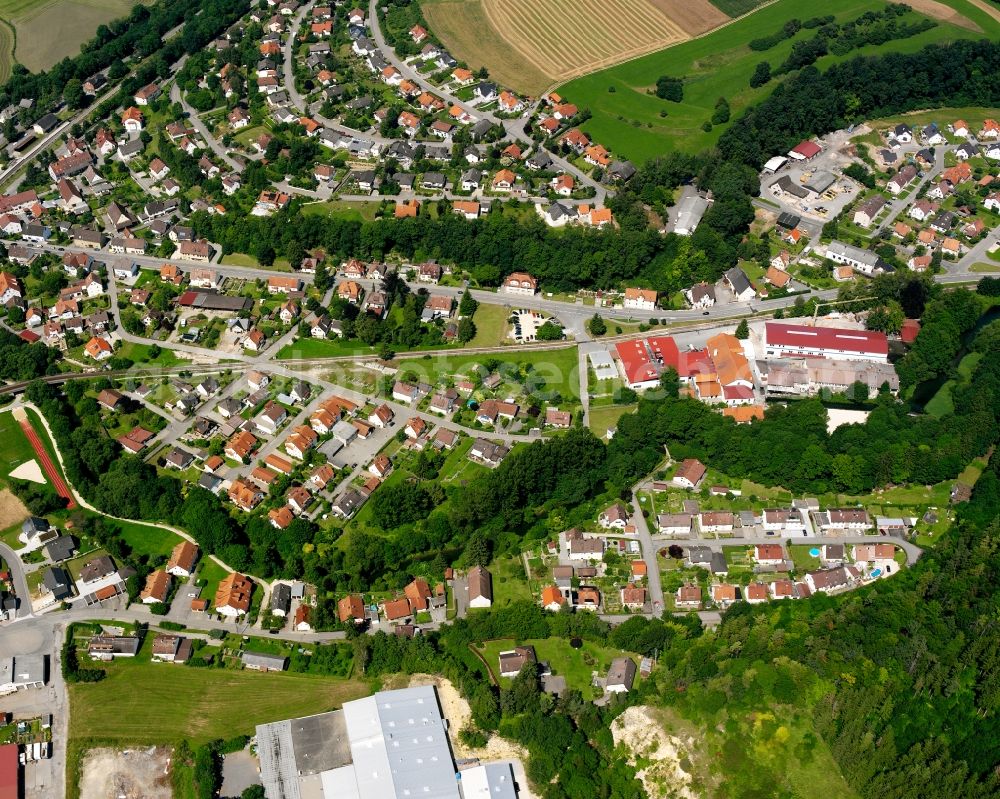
x=263, y=661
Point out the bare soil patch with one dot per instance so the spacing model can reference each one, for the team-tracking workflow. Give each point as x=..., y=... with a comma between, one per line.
x=12, y=510
x=29, y=470
x=936, y=10
x=126, y=774
x=694, y=16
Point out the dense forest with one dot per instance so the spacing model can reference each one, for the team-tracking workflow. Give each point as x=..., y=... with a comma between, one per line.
x=811, y=102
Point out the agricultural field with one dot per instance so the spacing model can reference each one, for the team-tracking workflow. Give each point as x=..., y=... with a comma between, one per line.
x=533, y=44
x=634, y=123
x=49, y=30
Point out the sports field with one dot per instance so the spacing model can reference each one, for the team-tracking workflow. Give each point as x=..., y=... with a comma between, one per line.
x=532, y=44
x=631, y=122
x=49, y=30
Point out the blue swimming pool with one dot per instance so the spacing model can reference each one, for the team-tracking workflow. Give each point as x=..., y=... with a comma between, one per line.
x=814, y=552
x=876, y=572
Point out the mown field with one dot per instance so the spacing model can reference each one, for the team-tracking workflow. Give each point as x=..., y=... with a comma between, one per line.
x=49, y=30
x=157, y=703
x=635, y=124
x=530, y=44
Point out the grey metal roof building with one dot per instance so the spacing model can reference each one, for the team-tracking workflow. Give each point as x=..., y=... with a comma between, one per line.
x=263, y=661
x=820, y=181
x=281, y=599
x=689, y=214
x=60, y=548
x=393, y=744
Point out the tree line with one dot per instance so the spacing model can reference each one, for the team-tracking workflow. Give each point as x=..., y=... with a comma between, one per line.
x=811, y=102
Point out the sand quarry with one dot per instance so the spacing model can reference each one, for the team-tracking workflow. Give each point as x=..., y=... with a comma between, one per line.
x=126, y=774
x=641, y=732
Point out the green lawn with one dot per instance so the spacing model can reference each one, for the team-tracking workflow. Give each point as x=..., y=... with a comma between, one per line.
x=628, y=121
x=457, y=466
x=509, y=582
x=10, y=536
x=604, y=418
x=558, y=367
x=145, y=539
x=985, y=268
x=196, y=704
x=213, y=574
x=139, y=354
x=802, y=559
x=323, y=348
x=241, y=259
x=941, y=403
x=345, y=209
x=14, y=446
x=491, y=325
x=142, y=703
x=576, y=665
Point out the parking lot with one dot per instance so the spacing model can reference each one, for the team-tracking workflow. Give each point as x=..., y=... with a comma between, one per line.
x=526, y=324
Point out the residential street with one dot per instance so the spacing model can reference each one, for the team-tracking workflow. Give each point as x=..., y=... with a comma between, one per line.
x=177, y=96
x=17, y=574
x=648, y=549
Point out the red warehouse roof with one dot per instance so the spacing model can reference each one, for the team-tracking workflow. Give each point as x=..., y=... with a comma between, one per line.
x=801, y=337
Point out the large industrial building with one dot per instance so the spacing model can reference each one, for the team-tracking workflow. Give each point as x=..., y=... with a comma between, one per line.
x=783, y=340
x=387, y=746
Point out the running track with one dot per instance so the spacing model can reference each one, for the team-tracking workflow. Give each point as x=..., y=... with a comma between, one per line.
x=47, y=465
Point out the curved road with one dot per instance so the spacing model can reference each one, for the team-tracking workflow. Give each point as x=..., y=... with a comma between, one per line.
x=177, y=96
x=13, y=561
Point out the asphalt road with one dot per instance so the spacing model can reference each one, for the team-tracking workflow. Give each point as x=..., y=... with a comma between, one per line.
x=648, y=550
x=19, y=579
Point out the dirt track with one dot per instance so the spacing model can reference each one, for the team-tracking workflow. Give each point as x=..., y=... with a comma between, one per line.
x=936, y=10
